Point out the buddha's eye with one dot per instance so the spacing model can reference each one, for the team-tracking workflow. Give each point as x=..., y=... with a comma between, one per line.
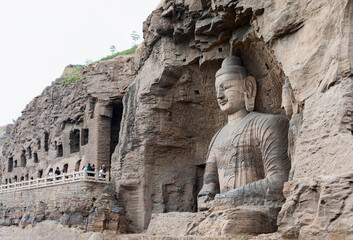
x=226, y=86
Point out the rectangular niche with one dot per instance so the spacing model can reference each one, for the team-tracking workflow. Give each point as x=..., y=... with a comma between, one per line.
x=46, y=141
x=75, y=141
x=40, y=173
x=35, y=157
x=84, y=136
x=23, y=159
x=15, y=164
x=60, y=150
x=29, y=150
x=10, y=165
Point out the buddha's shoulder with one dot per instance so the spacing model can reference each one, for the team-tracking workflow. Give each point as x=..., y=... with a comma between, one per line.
x=269, y=119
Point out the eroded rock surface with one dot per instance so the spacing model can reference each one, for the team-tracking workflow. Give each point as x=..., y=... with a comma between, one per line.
x=52, y=230
x=171, y=112
x=318, y=208
x=70, y=124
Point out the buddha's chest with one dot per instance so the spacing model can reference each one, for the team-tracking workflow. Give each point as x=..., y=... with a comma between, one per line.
x=238, y=158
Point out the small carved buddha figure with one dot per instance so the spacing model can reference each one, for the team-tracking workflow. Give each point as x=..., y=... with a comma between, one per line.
x=291, y=108
x=247, y=160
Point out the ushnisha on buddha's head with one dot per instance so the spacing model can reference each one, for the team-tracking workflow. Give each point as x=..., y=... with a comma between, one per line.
x=236, y=90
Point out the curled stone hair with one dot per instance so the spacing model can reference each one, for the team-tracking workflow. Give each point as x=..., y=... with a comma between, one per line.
x=232, y=64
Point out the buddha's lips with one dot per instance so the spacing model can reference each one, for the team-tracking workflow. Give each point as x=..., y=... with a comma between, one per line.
x=223, y=102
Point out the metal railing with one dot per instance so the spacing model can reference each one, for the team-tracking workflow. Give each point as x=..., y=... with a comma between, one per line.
x=84, y=175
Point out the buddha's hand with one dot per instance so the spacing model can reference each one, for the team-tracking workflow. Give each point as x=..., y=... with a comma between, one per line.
x=205, y=198
x=225, y=201
x=203, y=203
x=220, y=201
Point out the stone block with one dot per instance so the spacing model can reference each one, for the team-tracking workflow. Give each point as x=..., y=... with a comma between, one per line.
x=112, y=225
x=27, y=219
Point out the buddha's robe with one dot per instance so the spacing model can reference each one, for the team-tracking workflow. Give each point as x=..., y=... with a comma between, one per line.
x=248, y=160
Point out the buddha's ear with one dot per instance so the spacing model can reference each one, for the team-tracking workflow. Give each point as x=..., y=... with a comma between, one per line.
x=250, y=93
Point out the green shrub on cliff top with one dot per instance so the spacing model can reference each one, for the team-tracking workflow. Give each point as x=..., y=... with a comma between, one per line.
x=73, y=76
x=128, y=51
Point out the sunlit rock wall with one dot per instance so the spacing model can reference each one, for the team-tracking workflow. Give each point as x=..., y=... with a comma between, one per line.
x=170, y=111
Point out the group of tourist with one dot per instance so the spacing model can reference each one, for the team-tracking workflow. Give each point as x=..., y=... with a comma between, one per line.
x=57, y=173
x=90, y=168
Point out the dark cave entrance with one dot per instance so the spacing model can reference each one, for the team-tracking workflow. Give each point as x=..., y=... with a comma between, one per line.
x=66, y=166
x=75, y=141
x=60, y=150
x=117, y=113
x=77, y=166
x=40, y=173
x=10, y=165
x=23, y=159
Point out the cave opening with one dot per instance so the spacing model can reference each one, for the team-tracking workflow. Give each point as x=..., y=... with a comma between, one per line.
x=40, y=173
x=46, y=141
x=75, y=141
x=66, y=166
x=23, y=159
x=60, y=150
x=10, y=164
x=35, y=157
x=29, y=150
x=77, y=166
x=117, y=113
x=84, y=136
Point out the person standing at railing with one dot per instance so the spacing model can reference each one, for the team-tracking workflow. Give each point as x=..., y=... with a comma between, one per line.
x=57, y=172
x=89, y=168
x=100, y=172
x=104, y=170
x=50, y=174
x=77, y=174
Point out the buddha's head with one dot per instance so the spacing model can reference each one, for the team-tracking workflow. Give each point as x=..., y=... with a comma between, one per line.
x=235, y=90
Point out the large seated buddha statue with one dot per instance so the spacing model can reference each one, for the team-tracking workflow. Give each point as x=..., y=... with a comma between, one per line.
x=247, y=162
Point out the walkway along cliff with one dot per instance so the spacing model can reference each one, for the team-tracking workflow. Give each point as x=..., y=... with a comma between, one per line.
x=151, y=116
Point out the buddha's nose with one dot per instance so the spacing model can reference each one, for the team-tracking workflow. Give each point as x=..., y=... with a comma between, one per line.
x=220, y=95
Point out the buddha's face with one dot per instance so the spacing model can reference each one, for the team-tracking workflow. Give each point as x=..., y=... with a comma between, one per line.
x=230, y=92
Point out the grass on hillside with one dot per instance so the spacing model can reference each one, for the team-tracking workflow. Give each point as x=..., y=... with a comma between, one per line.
x=73, y=75
x=128, y=51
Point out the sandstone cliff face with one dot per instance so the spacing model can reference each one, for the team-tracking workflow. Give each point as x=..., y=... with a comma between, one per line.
x=170, y=112
x=70, y=125
x=4, y=134
x=163, y=102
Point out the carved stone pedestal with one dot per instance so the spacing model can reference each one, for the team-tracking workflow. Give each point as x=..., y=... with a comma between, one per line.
x=239, y=220
x=229, y=222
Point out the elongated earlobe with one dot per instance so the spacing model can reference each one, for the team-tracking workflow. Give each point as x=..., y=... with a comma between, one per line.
x=250, y=93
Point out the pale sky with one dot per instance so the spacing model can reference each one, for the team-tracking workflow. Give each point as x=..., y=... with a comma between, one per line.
x=38, y=38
